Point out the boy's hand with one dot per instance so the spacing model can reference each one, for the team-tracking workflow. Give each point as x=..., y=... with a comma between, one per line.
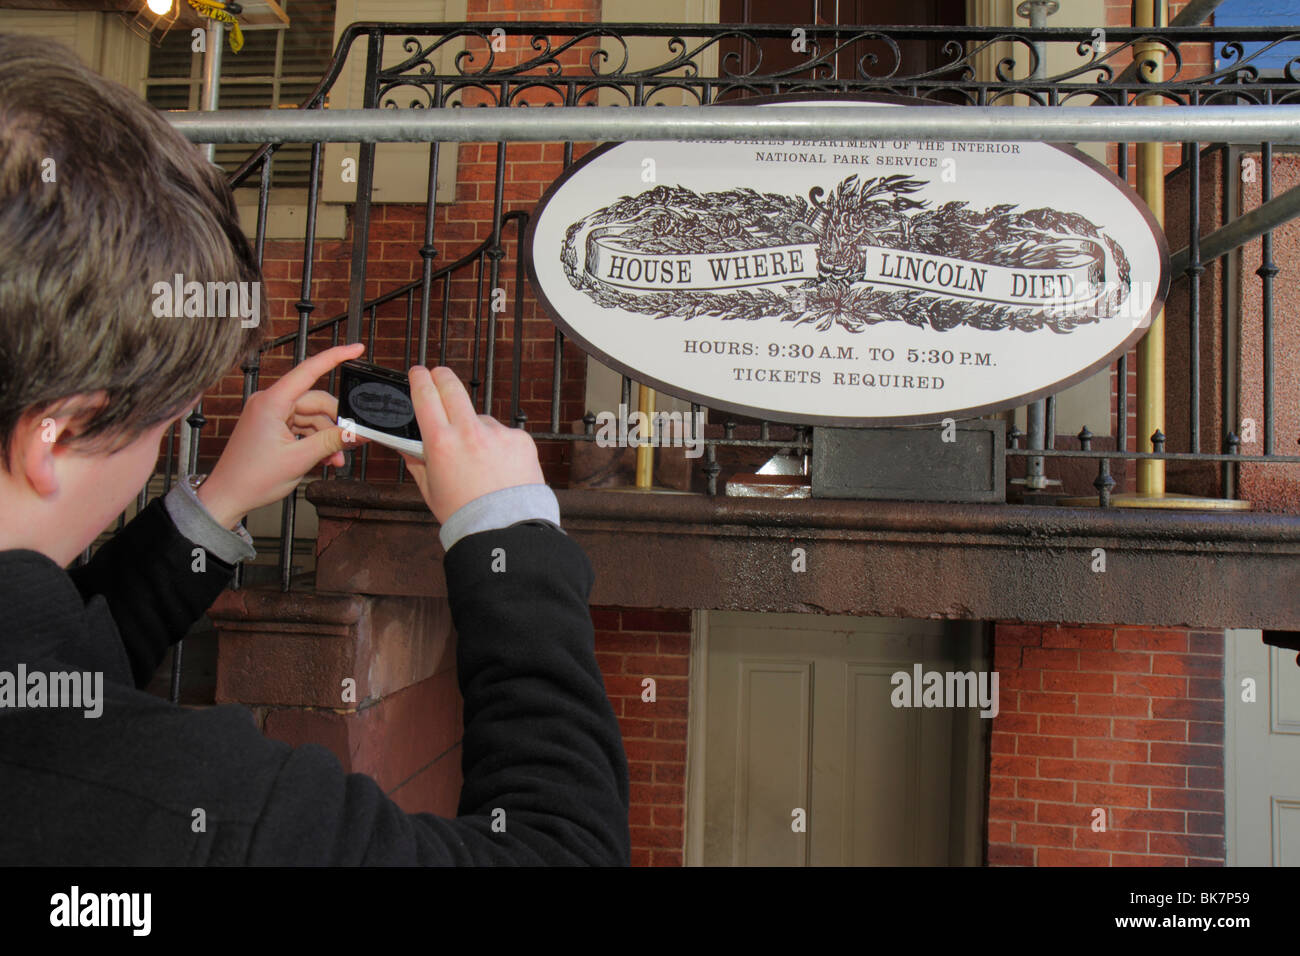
x=264, y=458
x=466, y=455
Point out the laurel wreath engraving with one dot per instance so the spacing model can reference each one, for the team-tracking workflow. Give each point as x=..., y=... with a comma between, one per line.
x=674, y=220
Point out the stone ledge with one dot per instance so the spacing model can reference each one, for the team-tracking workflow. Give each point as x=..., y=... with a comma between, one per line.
x=402, y=503
x=296, y=649
x=890, y=559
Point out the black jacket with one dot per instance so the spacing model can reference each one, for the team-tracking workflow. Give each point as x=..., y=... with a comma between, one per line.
x=541, y=741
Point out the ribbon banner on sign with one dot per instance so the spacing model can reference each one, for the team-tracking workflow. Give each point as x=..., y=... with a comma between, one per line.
x=867, y=252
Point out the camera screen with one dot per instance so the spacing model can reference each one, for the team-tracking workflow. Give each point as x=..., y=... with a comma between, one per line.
x=377, y=398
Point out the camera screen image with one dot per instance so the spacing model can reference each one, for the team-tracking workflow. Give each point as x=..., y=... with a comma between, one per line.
x=378, y=399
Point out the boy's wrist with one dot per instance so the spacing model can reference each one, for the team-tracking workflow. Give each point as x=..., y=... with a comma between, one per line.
x=210, y=497
x=201, y=527
x=501, y=509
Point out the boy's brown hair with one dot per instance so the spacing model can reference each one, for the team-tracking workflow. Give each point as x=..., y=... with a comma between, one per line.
x=131, y=204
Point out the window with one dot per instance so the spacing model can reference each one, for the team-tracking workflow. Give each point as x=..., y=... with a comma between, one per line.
x=914, y=56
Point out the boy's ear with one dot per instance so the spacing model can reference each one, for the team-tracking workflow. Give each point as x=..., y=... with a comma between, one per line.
x=42, y=435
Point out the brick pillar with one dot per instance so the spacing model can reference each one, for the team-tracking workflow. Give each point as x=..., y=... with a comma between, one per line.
x=289, y=658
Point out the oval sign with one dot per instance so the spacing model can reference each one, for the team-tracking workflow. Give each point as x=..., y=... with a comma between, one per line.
x=381, y=405
x=850, y=282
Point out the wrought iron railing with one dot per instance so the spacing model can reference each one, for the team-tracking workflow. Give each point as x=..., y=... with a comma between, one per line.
x=583, y=64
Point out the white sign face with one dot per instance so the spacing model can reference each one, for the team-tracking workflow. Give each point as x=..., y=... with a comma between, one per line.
x=850, y=282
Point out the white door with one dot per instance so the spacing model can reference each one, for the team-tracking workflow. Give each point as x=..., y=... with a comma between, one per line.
x=1262, y=753
x=799, y=728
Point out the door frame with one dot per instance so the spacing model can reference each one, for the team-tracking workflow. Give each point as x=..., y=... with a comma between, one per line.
x=695, y=736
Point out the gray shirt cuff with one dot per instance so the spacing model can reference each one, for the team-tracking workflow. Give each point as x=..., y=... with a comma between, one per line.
x=194, y=521
x=500, y=509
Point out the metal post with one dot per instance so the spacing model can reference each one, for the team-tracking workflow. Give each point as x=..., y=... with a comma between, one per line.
x=1037, y=11
x=209, y=97
x=361, y=209
x=188, y=458
x=1151, y=350
x=211, y=93
x=645, y=452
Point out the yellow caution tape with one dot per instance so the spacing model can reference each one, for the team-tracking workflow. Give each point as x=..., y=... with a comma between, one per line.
x=214, y=10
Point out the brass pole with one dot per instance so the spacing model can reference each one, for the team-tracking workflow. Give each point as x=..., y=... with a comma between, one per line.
x=1151, y=350
x=645, y=453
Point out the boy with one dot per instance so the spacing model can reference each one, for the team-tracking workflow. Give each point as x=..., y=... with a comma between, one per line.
x=99, y=200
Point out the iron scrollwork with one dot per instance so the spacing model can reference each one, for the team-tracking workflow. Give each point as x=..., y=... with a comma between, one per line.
x=439, y=64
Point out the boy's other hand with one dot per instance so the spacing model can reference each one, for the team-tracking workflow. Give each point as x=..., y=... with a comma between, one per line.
x=466, y=455
x=265, y=458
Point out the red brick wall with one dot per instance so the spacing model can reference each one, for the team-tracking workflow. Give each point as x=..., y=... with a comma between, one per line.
x=631, y=645
x=1128, y=719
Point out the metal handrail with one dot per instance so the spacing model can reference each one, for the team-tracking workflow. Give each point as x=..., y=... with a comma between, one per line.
x=1249, y=124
